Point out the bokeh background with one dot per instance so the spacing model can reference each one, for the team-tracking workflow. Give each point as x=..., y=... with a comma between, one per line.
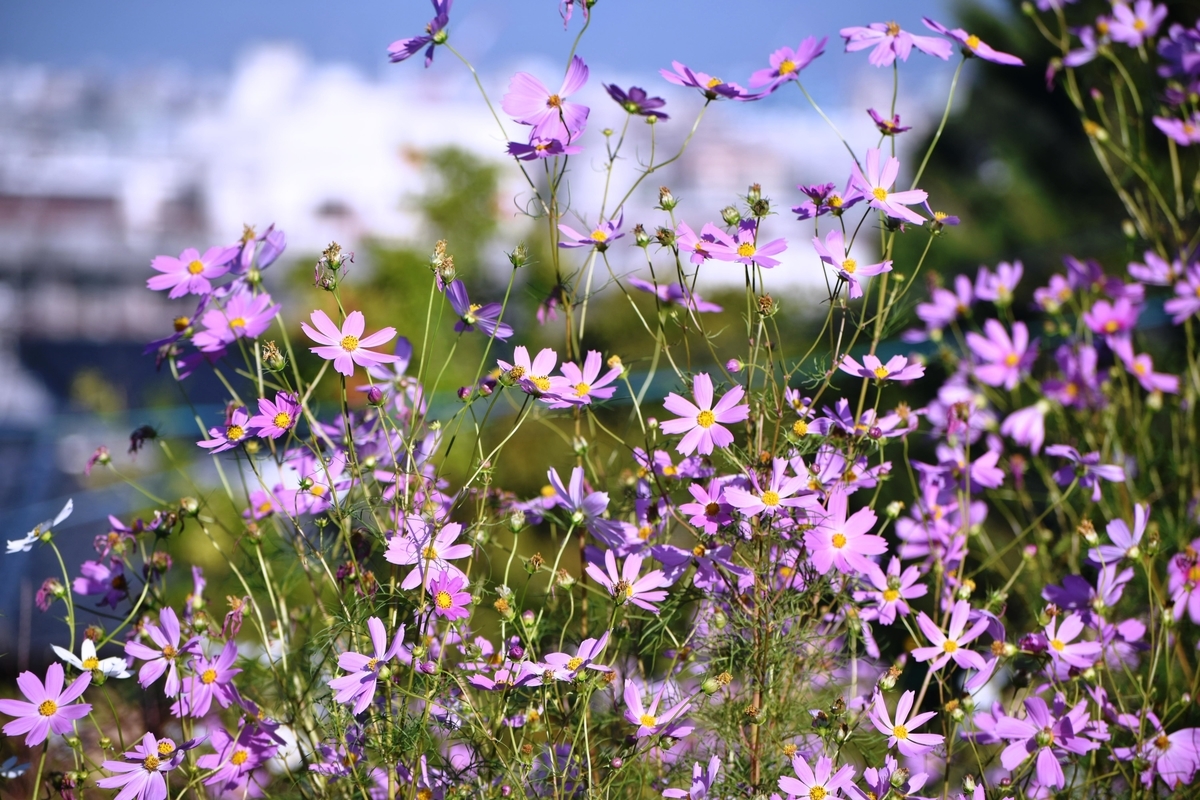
x=137, y=128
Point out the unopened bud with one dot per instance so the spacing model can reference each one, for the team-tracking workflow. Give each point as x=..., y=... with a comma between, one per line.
x=640, y=237
x=516, y=521
x=731, y=215
x=189, y=506
x=666, y=200
x=375, y=396
x=519, y=257
x=710, y=686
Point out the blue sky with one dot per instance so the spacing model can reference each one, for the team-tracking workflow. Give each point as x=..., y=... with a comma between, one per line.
x=726, y=37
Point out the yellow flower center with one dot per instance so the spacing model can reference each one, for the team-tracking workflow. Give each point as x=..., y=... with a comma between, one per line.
x=770, y=499
x=787, y=67
x=575, y=663
x=699, y=550
x=838, y=540
x=599, y=236
x=835, y=201
x=443, y=600
x=644, y=532
x=893, y=29
x=705, y=419
x=195, y=267
x=282, y=420
x=670, y=470
x=237, y=322
x=1140, y=367
x=890, y=595
x=880, y=193
x=1139, y=25
x=1011, y=360
x=554, y=101
x=713, y=83
x=372, y=664
x=581, y=389
x=746, y=249
x=235, y=433
x=169, y=652
x=816, y=793
x=648, y=720
x=1057, y=644
x=850, y=264
x=349, y=343
x=950, y=645
x=317, y=489
x=541, y=382
x=516, y=373
x=900, y=732
x=881, y=372
x=973, y=41
x=47, y=708
x=430, y=552
x=548, y=491
x=239, y=757
x=150, y=763
x=208, y=676
x=166, y=747
x=91, y=663
x=800, y=427
x=181, y=324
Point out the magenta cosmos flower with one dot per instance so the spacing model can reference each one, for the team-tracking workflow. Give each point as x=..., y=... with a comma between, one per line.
x=876, y=185
x=833, y=252
x=890, y=592
x=950, y=645
x=786, y=64
x=140, y=771
x=651, y=721
x=1061, y=636
x=236, y=429
x=435, y=34
x=359, y=685
x=166, y=635
x=1187, y=297
x=244, y=315
x=191, y=273
x=900, y=730
x=449, y=600
x=821, y=783
x=779, y=495
x=567, y=667
x=601, y=236
x=430, y=551
x=712, y=88
x=710, y=511
x=552, y=116
x=838, y=542
x=625, y=585
x=701, y=422
x=49, y=707
x=896, y=369
x=744, y=247
x=274, y=419
x=972, y=45
x=212, y=679
x=347, y=346
x=890, y=42
x=1004, y=358
x=532, y=376
x=1134, y=26
x=1045, y=735
x=577, y=387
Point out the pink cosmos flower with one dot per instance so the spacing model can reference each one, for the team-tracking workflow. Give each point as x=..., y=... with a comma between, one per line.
x=1142, y=367
x=359, y=685
x=1046, y=735
x=710, y=511
x=1004, y=358
x=236, y=757
x=435, y=34
x=567, y=667
x=485, y=316
x=604, y=234
x=702, y=781
x=744, y=247
x=1061, y=636
x=890, y=42
x=833, y=252
x=702, y=421
x=529, y=102
x=212, y=679
x=1134, y=26
x=140, y=771
x=430, y=550
x=532, y=376
x=50, y=708
x=1185, y=132
x=674, y=294
x=577, y=387
x=539, y=147
x=274, y=419
x=900, y=730
x=449, y=601
x=786, y=64
x=841, y=543
x=779, y=495
x=896, y=369
x=712, y=88
x=236, y=429
x=950, y=645
x=876, y=185
x=699, y=246
x=651, y=721
x=1125, y=543
x=890, y=592
x=821, y=783
x=626, y=586
x=586, y=508
x=167, y=636
x=972, y=45
x=191, y=273
x=347, y=346
x=244, y=315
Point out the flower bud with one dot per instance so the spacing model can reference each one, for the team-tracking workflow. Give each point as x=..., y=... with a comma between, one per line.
x=719, y=620
x=519, y=257
x=375, y=396
x=640, y=237
x=899, y=778
x=731, y=215
x=710, y=686
x=665, y=236
x=464, y=393
x=428, y=667
x=666, y=200
x=516, y=521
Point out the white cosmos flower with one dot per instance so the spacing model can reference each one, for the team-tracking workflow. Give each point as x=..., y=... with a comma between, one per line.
x=25, y=544
x=114, y=667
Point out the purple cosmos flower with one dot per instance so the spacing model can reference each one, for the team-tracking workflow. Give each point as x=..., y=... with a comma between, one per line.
x=539, y=147
x=1112, y=320
x=1156, y=270
x=1142, y=367
x=626, y=585
x=900, y=730
x=567, y=7
x=212, y=679
x=1187, y=296
x=1180, y=50
x=896, y=369
x=836, y=542
x=586, y=509
x=876, y=184
x=1027, y=426
x=533, y=377
x=96, y=578
x=472, y=315
x=435, y=34
x=244, y=315
x=1062, y=645
x=347, y=346
x=1047, y=735
x=1052, y=297
x=743, y=247
x=274, y=419
x=1125, y=544
x=1134, y=26
x=819, y=783
x=947, y=306
x=191, y=273
x=891, y=592
x=1087, y=468
x=1004, y=358
x=972, y=45
x=140, y=771
x=510, y=676
x=703, y=423
x=1183, y=582
x=950, y=645
x=712, y=88
x=1184, y=132
x=779, y=495
x=702, y=781
x=651, y=721
x=552, y=116
x=237, y=756
x=577, y=386
x=449, y=601
x=49, y=707
x=567, y=667
x=712, y=564
x=786, y=65
x=833, y=252
x=997, y=287
x=699, y=246
x=428, y=549
x=890, y=42
x=237, y=428
x=600, y=238
x=710, y=511
x=167, y=636
x=675, y=294
x=1174, y=757
x=359, y=685
x=888, y=127
x=636, y=101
